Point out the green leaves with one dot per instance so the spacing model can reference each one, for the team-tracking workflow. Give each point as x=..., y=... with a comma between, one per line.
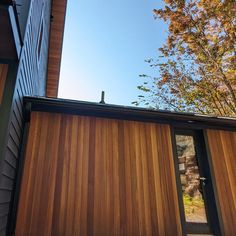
x=197, y=68
x=144, y=89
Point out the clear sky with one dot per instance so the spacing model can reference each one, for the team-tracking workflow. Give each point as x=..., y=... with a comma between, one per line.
x=105, y=45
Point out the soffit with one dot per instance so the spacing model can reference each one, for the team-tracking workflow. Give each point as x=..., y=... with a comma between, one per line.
x=55, y=46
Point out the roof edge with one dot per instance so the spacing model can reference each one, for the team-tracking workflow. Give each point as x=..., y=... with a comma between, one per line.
x=74, y=107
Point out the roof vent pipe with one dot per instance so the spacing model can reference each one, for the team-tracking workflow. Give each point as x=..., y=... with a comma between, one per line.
x=102, y=98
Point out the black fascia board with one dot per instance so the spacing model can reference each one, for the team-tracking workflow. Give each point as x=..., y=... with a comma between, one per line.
x=177, y=119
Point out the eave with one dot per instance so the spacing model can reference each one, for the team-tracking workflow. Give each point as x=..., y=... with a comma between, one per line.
x=188, y=120
x=55, y=46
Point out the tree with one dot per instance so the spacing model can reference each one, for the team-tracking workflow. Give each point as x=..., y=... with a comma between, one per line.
x=197, y=66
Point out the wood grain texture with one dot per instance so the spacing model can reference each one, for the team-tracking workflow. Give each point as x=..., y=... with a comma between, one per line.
x=7, y=43
x=3, y=76
x=222, y=145
x=97, y=176
x=55, y=46
x=26, y=79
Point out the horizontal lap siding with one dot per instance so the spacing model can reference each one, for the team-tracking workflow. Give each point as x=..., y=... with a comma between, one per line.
x=222, y=145
x=30, y=76
x=96, y=176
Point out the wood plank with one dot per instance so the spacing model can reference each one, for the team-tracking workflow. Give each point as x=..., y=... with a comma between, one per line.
x=4, y=209
x=97, y=176
x=5, y=196
x=3, y=77
x=29, y=74
x=3, y=224
x=5, y=181
x=55, y=46
x=7, y=42
x=222, y=145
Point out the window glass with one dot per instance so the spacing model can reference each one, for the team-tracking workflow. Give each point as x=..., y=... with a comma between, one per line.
x=191, y=182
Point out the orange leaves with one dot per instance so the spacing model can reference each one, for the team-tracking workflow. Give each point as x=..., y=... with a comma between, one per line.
x=197, y=69
x=165, y=78
x=169, y=1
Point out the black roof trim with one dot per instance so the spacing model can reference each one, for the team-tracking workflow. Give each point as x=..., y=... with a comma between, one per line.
x=65, y=106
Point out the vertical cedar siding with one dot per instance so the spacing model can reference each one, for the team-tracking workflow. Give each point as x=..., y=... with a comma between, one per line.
x=30, y=75
x=3, y=76
x=55, y=46
x=96, y=176
x=222, y=146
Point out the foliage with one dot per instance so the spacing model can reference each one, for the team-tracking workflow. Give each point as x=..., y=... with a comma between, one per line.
x=197, y=66
x=194, y=207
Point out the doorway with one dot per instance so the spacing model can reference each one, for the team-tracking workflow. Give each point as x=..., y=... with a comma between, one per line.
x=196, y=197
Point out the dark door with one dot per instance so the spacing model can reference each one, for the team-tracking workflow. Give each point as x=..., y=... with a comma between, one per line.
x=197, y=201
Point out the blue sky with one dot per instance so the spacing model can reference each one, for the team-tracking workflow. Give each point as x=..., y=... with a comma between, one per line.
x=105, y=45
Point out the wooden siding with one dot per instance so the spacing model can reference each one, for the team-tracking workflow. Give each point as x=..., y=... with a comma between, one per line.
x=31, y=75
x=96, y=176
x=7, y=43
x=55, y=47
x=222, y=145
x=3, y=76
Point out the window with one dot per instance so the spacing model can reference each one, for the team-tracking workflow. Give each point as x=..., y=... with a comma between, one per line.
x=196, y=196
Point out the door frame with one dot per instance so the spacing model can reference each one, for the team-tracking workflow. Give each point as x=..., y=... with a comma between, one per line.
x=213, y=225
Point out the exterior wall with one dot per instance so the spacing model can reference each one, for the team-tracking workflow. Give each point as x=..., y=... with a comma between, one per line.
x=3, y=76
x=22, y=8
x=97, y=176
x=222, y=145
x=26, y=77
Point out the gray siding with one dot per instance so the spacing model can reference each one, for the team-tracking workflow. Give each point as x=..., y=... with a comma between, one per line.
x=22, y=8
x=30, y=80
